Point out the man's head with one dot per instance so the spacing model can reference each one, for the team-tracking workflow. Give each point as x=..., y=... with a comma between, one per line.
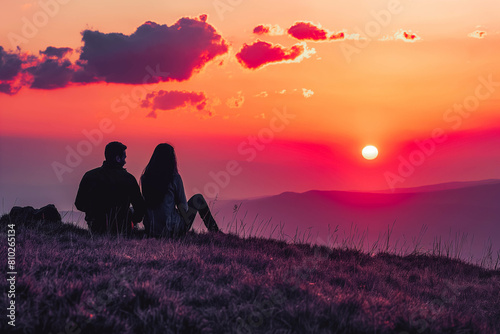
x=115, y=153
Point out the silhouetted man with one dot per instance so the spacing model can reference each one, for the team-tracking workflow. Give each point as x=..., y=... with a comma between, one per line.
x=106, y=192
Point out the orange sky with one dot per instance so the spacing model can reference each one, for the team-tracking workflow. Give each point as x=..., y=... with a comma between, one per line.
x=370, y=88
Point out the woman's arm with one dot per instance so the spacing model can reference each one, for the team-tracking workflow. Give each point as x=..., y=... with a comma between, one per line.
x=180, y=196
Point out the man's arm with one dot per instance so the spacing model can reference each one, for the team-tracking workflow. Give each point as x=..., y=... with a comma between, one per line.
x=82, y=196
x=137, y=201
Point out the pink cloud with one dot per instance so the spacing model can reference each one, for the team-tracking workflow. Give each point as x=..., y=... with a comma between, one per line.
x=268, y=29
x=309, y=31
x=261, y=30
x=261, y=53
x=305, y=30
x=337, y=36
x=170, y=100
x=172, y=52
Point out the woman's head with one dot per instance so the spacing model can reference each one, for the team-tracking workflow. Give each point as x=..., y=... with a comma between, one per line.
x=163, y=159
x=158, y=174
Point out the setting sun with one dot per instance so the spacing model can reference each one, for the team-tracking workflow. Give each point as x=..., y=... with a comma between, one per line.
x=369, y=152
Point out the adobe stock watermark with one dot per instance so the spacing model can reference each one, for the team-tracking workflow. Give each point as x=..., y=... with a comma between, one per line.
x=455, y=116
x=249, y=149
x=371, y=30
x=94, y=137
x=223, y=6
x=31, y=26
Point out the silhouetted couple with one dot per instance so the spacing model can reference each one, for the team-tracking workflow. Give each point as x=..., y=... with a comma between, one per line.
x=106, y=193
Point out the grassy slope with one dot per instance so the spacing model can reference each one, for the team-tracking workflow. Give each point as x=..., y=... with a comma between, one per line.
x=69, y=282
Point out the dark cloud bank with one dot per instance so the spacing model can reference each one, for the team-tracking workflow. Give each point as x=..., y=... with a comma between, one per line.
x=153, y=53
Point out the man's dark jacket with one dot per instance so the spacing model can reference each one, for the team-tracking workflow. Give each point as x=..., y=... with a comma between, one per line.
x=105, y=195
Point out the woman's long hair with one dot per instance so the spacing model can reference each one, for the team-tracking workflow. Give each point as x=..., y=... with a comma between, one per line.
x=158, y=174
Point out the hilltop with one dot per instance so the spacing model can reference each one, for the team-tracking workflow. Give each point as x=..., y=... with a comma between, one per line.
x=70, y=282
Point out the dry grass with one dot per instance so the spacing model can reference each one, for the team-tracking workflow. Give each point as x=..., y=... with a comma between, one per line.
x=70, y=282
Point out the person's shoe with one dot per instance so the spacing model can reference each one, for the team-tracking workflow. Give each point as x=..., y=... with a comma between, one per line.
x=217, y=231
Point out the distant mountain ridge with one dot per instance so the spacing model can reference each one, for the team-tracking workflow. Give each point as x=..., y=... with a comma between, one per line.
x=467, y=212
x=444, y=186
x=429, y=187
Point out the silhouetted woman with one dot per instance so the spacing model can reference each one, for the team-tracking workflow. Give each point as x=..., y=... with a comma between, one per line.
x=168, y=213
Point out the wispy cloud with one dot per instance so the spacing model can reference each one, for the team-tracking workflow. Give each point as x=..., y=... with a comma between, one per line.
x=480, y=34
x=403, y=35
x=236, y=102
x=268, y=29
x=307, y=92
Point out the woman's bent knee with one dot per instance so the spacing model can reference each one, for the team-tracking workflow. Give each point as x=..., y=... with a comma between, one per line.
x=198, y=201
